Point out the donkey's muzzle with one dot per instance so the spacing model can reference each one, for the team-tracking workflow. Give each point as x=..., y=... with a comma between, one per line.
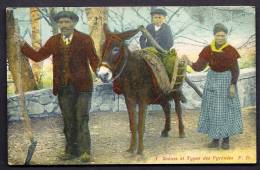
x=104, y=74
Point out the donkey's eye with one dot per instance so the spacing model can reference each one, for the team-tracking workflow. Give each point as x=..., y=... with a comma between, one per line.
x=115, y=50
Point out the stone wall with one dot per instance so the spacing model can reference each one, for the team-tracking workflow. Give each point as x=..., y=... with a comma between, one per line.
x=42, y=103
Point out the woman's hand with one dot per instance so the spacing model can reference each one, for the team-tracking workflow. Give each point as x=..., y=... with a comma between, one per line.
x=186, y=60
x=232, y=90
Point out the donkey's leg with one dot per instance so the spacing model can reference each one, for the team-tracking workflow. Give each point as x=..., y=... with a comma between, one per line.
x=178, y=110
x=167, y=112
x=130, y=104
x=141, y=125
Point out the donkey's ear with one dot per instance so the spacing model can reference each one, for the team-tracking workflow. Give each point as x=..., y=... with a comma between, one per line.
x=105, y=28
x=128, y=34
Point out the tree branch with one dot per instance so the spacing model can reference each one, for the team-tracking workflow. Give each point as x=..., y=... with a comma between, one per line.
x=138, y=14
x=232, y=10
x=116, y=22
x=250, y=40
x=45, y=16
x=173, y=14
x=25, y=33
x=182, y=29
x=205, y=43
x=189, y=44
x=122, y=19
x=82, y=12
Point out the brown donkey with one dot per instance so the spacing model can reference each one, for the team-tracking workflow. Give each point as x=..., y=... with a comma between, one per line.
x=137, y=85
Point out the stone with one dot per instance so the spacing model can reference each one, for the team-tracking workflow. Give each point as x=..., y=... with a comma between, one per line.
x=57, y=111
x=13, y=112
x=96, y=101
x=105, y=107
x=45, y=114
x=50, y=107
x=34, y=116
x=156, y=107
x=115, y=106
x=44, y=99
x=122, y=106
x=94, y=109
x=35, y=108
x=13, y=118
x=33, y=99
x=55, y=99
x=12, y=104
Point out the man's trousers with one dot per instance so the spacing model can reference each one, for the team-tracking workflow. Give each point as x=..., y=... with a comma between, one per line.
x=75, y=108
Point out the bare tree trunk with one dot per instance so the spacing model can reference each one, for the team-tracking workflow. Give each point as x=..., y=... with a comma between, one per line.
x=36, y=44
x=13, y=52
x=96, y=17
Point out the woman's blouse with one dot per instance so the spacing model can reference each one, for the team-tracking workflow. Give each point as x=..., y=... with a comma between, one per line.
x=219, y=61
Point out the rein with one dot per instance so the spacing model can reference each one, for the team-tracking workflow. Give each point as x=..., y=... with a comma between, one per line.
x=119, y=61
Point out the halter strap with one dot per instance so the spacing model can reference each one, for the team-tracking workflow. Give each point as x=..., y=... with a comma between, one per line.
x=115, y=68
x=122, y=68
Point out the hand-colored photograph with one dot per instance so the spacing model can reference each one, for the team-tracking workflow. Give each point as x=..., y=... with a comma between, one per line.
x=131, y=85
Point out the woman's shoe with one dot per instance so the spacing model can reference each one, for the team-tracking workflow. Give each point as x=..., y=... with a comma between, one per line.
x=214, y=143
x=225, y=143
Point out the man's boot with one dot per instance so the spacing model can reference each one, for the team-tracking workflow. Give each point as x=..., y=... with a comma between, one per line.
x=66, y=156
x=85, y=157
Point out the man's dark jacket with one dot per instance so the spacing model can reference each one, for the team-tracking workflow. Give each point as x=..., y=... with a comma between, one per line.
x=81, y=52
x=163, y=37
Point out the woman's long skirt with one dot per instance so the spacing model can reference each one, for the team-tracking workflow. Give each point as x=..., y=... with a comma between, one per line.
x=220, y=114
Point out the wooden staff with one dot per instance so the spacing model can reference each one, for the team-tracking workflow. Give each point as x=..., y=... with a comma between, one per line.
x=22, y=105
x=150, y=37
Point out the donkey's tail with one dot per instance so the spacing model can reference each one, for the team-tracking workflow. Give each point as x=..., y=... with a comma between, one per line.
x=192, y=85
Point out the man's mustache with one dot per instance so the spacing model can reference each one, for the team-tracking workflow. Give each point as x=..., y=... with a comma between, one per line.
x=65, y=29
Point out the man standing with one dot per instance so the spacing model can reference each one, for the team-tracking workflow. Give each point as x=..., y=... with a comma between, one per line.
x=160, y=31
x=72, y=52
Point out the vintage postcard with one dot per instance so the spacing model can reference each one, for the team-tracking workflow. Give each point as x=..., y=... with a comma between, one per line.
x=131, y=85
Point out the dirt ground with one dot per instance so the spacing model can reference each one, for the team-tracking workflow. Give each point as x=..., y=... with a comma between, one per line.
x=110, y=136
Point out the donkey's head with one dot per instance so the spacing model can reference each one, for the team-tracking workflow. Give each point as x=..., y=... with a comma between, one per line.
x=113, y=52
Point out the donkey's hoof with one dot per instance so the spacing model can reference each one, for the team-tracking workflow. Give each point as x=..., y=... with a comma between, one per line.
x=130, y=150
x=140, y=152
x=164, y=133
x=182, y=135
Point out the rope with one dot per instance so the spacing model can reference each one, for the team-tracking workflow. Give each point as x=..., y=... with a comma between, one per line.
x=175, y=71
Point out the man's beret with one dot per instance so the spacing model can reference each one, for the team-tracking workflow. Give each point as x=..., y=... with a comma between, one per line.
x=219, y=27
x=66, y=14
x=159, y=11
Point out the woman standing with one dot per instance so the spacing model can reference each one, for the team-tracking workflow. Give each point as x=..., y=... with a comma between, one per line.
x=220, y=111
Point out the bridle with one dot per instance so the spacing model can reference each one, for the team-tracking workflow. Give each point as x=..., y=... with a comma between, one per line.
x=123, y=54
